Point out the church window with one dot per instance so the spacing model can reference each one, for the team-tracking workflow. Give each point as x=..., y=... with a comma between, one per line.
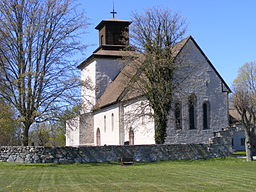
x=206, y=115
x=112, y=121
x=192, y=111
x=98, y=143
x=131, y=137
x=105, y=123
x=178, y=115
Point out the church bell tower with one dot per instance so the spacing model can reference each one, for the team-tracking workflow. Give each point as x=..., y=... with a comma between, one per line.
x=102, y=67
x=113, y=34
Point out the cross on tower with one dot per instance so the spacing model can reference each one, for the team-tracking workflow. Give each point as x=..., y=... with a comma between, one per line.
x=113, y=12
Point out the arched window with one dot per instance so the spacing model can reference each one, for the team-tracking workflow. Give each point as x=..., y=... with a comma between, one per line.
x=105, y=123
x=98, y=143
x=178, y=115
x=131, y=137
x=112, y=121
x=192, y=111
x=206, y=115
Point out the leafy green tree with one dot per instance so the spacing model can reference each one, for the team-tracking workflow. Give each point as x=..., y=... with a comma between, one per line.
x=58, y=137
x=52, y=133
x=40, y=136
x=48, y=134
x=8, y=125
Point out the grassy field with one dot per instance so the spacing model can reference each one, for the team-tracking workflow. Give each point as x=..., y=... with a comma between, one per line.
x=227, y=174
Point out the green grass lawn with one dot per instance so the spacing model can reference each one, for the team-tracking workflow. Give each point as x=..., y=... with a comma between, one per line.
x=226, y=174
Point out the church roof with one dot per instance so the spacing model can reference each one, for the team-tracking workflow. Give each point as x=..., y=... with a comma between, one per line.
x=99, y=53
x=111, y=44
x=113, y=20
x=117, y=90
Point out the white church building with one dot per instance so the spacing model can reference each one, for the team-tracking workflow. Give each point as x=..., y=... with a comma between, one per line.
x=200, y=105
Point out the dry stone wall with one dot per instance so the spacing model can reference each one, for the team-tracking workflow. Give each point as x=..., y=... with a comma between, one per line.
x=83, y=154
x=219, y=146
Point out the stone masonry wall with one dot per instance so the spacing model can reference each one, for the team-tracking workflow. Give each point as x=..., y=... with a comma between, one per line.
x=207, y=87
x=86, y=132
x=83, y=154
x=218, y=146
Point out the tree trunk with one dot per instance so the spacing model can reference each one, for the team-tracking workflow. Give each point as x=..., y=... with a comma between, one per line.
x=24, y=135
x=248, y=146
x=160, y=129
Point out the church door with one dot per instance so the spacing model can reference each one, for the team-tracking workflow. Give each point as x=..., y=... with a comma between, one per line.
x=98, y=137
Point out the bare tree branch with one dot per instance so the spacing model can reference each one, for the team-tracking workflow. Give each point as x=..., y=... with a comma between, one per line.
x=244, y=99
x=37, y=40
x=152, y=75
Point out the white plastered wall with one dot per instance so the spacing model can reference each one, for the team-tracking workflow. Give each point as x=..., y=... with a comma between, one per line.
x=72, y=132
x=137, y=117
x=88, y=74
x=98, y=75
x=143, y=126
x=109, y=132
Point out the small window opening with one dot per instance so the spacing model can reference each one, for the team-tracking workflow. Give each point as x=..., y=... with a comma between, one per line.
x=192, y=112
x=105, y=123
x=112, y=121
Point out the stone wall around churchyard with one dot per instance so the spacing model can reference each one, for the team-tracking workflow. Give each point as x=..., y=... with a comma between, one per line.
x=82, y=154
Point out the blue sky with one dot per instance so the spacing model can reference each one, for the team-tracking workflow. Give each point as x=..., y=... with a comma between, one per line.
x=224, y=29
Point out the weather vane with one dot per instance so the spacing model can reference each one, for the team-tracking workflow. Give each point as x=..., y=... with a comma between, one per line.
x=113, y=12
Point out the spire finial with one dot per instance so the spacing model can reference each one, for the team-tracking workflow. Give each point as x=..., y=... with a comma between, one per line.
x=113, y=12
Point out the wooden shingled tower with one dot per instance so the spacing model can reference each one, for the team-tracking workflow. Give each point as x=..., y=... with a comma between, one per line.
x=112, y=34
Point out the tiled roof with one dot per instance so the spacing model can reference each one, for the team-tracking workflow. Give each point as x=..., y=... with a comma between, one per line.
x=117, y=90
x=113, y=20
x=100, y=53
